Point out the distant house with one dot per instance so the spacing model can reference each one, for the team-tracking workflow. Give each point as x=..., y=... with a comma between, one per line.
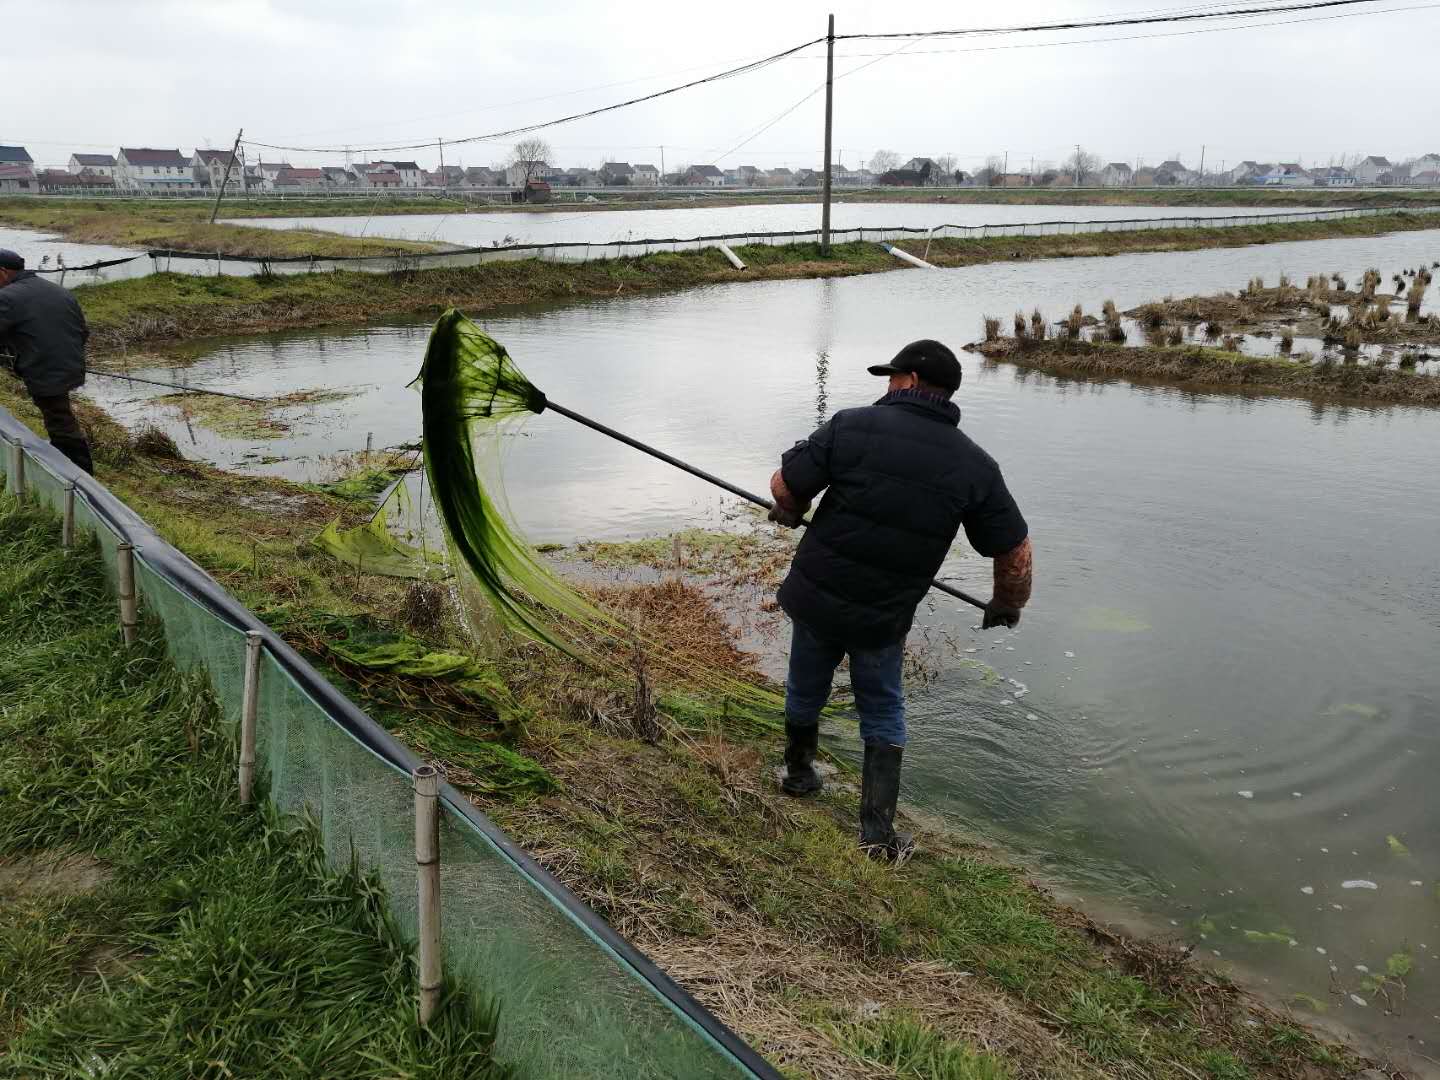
x=294, y=179
x=1333, y=176
x=520, y=171
x=646, y=176
x=1425, y=163
x=446, y=176
x=411, y=175
x=1372, y=168
x=704, y=176
x=60, y=181
x=16, y=155
x=1117, y=174
x=1427, y=178
x=479, y=176
x=18, y=179
x=376, y=175
x=1245, y=172
x=1170, y=173
x=747, y=175
x=781, y=177
x=208, y=167
x=908, y=177
x=98, y=164
x=1286, y=174
x=267, y=171
x=616, y=173
x=537, y=191
x=144, y=169
x=337, y=176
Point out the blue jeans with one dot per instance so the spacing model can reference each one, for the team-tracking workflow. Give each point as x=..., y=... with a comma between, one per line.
x=874, y=676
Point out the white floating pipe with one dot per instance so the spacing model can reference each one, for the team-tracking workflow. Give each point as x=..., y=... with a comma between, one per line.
x=67, y=524
x=249, y=712
x=734, y=259
x=427, y=872
x=905, y=256
x=125, y=573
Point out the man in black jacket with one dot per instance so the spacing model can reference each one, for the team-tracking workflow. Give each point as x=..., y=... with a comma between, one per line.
x=42, y=325
x=900, y=480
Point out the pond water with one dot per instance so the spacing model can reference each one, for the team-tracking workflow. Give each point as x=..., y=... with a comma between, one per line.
x=44, y=251
x=483, y=229
x=1220, y=710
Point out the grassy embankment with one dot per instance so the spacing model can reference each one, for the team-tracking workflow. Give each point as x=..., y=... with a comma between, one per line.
x=149, y=924
x=185, y=226
x=173, y=307
x=952, y=966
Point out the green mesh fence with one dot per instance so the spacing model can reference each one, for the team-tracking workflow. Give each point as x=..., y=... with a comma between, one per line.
x=575, y=1000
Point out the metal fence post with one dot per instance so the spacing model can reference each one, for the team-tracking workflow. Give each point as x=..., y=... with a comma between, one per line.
x=427, y=872
x=17, y=469
x=249, y=711
x=125, y=572
x=67, y=524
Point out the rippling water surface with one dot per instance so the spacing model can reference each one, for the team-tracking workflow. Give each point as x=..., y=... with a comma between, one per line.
x=1222, y=705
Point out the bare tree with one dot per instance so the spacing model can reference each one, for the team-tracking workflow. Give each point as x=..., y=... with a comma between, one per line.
x=882, y=161
x=1081, y=165
x=945, y=169
x=530, y=156
x=993, y=174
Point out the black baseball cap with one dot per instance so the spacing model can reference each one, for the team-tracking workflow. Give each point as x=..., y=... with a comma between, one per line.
x=11, y=260
x=930, y=360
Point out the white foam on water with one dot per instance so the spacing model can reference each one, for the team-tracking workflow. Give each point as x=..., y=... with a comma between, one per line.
x=1308, y=890
x=1359, y=1000
x=1358, y=883
x=1245, y=794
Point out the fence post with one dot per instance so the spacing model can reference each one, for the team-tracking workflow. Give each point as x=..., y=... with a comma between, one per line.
x=125, y=572
x=427, y=871
x=17, y=469
x=67, y=523
x=249, y=712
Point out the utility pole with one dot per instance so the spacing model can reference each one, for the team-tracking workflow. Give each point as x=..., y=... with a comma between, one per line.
x=1005, y=168
x=441, y=143
x=1077, y=164
x=1032, y=170
x=662, y=166
x=1202, y=163
x=229, y=163
x=829, y=115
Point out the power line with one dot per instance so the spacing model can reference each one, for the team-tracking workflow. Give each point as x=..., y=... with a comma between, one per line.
x=1095, y=24
x=743, y=69
x=1148, y=37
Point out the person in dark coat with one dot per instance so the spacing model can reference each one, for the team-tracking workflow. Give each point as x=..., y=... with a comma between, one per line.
x=44, y=329
x=900, y=480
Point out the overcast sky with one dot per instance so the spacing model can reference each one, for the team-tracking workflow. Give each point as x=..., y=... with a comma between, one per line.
x=91, y=75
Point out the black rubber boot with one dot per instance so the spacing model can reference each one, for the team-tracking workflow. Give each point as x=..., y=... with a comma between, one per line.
x=879, y=792
x=800, y=745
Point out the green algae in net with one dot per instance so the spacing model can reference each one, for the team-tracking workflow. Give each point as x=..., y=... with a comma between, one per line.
x=470, y=390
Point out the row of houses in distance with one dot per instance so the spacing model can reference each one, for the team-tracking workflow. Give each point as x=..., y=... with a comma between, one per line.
x=1371, y=171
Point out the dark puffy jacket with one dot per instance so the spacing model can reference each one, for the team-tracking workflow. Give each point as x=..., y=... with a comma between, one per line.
x=42, y=324
x=902, y=479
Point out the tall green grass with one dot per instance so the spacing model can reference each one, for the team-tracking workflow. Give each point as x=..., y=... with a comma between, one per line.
x=209, y=939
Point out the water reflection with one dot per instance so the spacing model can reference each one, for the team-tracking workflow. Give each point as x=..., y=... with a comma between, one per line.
x=1222, y=701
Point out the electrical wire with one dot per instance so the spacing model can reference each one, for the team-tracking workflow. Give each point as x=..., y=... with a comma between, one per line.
x=1182, y=15
x=743, y=69
x=1148, y=37
x=1095, y=24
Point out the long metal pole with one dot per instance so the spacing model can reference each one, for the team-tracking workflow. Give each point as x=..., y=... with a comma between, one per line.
x=748, y=496
x=225, y=180
x=829, y=115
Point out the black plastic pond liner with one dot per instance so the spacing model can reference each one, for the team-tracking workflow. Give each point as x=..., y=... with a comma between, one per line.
x=188, y=578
